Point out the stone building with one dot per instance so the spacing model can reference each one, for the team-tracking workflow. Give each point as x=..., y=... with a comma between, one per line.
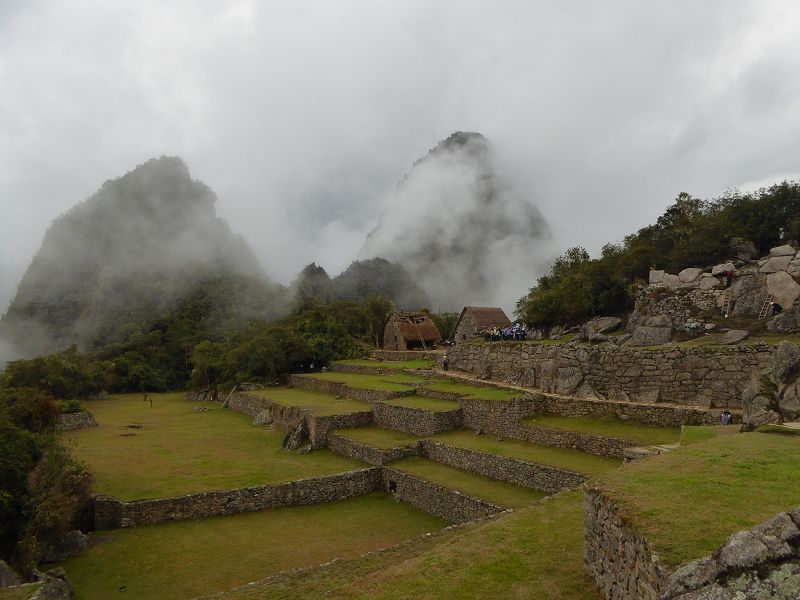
x=409, y=331
x=475, y=319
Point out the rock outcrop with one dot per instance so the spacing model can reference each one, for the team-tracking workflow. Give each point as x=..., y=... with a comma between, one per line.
x=774, y=396
x=652, y=332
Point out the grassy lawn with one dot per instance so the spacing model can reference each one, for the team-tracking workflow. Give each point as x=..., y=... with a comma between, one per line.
x=490, y=490
x=431, y=404
x=565, y=458
x=317, y=402
x=691, y=434
x=177, y=451
x=390, y=383
x=610, y=426
x=476, y=391
x=189, y=558
x=417, y=363
x=535, y=552
x=719, y=486
x=376, y=437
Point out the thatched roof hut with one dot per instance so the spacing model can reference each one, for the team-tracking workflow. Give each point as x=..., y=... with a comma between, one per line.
x=475, y=319
x=409, y=331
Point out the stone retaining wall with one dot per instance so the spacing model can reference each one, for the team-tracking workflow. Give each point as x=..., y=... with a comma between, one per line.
x=496, y=416
x=368, y=454
x=502, y=468
x=585, y=442
x=697, y=376
x=345, y=391
x=416, y=421
x=367, y=369
x=73, y=421
x=112, y=514
x=405, y=354
x=761, y=562
x=445, y=503
x=620, y=561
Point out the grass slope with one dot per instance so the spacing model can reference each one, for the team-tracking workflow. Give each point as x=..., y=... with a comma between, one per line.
x=610, y=426
x=189, y=558
x=475, y=391
x=378, y=438
x=688, y=501
x=490, y=490
x=564, y=458
x=318, y=403
x=535, y=552
x=391, y=383
x=177, y=451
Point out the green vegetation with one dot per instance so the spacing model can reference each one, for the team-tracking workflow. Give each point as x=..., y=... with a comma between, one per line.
x=563, y=458
x=490, y=490
x=189, y=558
x=691, y=434
x=389, y=383
x=420, y=402
x=610, y=426
x=377, y=437
x=722, y=485
x=318, y=403
x=691, y=232
x=534, y=552
x=391, y=364
x=169, y=450
x=475, y=391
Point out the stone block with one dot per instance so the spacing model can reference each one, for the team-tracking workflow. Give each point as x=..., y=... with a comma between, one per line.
x=671, y=282
x=656, y=277
x=776, y=264
x=784, y=288
x=689, y=275
x=721, y=269
x=784, y=250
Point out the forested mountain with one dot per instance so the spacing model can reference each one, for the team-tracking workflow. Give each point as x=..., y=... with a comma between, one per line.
x=133, y=251
x=458, y=228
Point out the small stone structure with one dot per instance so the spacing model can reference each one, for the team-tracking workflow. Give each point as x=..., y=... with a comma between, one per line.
x=416, y=421
x=474, y=319
x=762, y=562
x=368, y=454
x=78, y=420
x=410, y=330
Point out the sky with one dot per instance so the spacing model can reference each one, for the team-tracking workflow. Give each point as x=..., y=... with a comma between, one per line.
x=303, y=116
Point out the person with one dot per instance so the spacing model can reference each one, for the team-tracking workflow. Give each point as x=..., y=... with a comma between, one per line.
x=726, y=418
x=776, y=309
x=728, y=278
x=445, y=362
x=693, y=329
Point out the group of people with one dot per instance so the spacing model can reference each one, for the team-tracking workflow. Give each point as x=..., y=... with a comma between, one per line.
x=501, y=334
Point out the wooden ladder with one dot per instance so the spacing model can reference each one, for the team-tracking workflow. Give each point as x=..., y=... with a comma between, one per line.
x=765, y=307
x=419, y=332
x=727, y=299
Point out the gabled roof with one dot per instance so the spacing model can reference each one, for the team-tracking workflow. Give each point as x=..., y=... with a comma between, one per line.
x=415, y=326
x=485, y=316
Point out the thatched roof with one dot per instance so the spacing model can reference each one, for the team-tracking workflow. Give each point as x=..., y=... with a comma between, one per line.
x=415, y=326
x=486, y=316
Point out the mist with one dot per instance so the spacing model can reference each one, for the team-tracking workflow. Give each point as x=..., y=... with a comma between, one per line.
x=303, y=116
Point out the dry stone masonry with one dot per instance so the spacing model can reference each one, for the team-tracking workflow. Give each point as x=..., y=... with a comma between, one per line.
x=73, y=421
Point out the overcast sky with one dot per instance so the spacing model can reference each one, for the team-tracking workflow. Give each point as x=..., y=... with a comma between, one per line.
x=302, y=116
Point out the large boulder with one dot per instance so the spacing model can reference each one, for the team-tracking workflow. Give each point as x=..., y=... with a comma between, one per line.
x=671, y=282
x=759, y=405
x=652, y=332
x=786, y=322
x=296, y=437
x=634, y=320
x=656, y=277
x=785, y=250
x=734, y=336
x=776, y=264
x=690, y=275
x=743, y=249
x=723, y=268
x=789, y=402
x=71, y=544
x=708, y=282
x=749, y=293
x=784, y=288
x=601, y=325
x=786, y=363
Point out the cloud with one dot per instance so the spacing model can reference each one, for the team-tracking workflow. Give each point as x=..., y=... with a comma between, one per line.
x=302, y=116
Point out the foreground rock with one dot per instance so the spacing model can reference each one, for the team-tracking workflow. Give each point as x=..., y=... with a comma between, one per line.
x=297, y=437
x=734, y=336
x=775, y=397
x=653, y=331
x=72, y=544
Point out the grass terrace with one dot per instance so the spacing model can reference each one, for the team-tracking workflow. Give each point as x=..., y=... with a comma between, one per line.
x=562, y=458
x=169, y=450
x=535, y=552
x=474, y=391
x=490, y=490
x=417, y=363
x=431, y=404
x=389, y=383
x=319, y=403
x=190, y=558
x=721, y=485
x=691, y=434
x=610, y=426
x=384, y=439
